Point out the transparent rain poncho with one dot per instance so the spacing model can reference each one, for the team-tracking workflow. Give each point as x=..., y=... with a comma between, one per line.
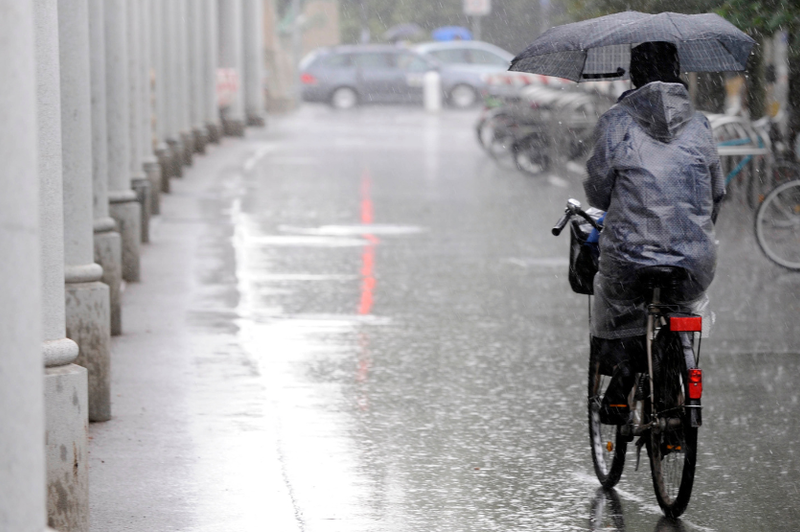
x=656, y=172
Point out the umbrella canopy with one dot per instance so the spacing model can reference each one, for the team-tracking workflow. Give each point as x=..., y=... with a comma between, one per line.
x=451, y=33
x=600, y=48
x=402, y=31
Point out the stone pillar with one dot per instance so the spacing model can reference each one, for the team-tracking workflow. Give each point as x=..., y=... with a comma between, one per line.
x=139, y=182
x=231, y=56
x=162, y=150
x=22, y=460
x=107, y=242
x=172, y=61
x=253, y=82
x=196, y=74
x=150, y=165
x=123, y=206
x=184, y=83
x=87, y=299
x=210, y=56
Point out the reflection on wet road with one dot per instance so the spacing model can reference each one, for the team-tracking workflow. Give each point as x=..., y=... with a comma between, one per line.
x=421, y=361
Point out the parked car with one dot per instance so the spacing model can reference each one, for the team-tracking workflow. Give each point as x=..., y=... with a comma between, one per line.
x=348, y=75
x=345, y=76
x=475, y=61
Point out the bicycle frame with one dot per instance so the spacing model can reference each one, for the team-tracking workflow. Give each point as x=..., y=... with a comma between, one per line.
x=659, y=311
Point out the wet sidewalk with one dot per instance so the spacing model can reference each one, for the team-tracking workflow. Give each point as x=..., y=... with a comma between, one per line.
x=185, y=449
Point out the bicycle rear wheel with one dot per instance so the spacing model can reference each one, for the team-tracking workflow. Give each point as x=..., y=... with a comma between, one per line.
x=672, y=443
x=608, y=444
x=777, y=225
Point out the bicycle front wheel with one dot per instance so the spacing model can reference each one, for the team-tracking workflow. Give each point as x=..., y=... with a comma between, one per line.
x=672, y=445
x=608, y=444
x=777, y=225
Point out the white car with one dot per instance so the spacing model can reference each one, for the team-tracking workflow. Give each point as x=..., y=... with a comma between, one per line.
x=473, y=60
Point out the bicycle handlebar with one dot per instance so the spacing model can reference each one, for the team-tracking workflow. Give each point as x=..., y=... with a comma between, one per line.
x=561, y=223
x=573, y=209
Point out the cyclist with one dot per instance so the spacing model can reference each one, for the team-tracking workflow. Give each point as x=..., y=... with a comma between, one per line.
x=656, y=171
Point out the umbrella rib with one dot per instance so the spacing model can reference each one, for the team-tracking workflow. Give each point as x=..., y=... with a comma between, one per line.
x=677, y=29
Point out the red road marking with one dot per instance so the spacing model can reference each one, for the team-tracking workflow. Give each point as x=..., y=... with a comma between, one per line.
x=368, y=281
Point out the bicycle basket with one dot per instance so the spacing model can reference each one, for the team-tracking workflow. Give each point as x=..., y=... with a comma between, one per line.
x=583, y=258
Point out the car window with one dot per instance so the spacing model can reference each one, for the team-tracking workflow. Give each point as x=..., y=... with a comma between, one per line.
x=374, y=60
x=412, y=63
x=450, y=56
x=337, y=61
x=482, y=57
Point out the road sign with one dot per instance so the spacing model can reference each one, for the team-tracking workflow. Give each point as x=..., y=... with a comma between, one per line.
x=477, y=8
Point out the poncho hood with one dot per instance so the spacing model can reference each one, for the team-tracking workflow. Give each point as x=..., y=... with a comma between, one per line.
x=661, y=109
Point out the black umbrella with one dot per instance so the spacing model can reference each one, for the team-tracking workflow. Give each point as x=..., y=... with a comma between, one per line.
x=600, y=48
x=402, y=31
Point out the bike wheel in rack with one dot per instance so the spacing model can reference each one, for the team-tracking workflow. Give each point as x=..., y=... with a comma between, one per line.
x=783, y=171
x=759, y=183
x=672, y=443
x=608, y=444
x=777, y=225
x=530, y=155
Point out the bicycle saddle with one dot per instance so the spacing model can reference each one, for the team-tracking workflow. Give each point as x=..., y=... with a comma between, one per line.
x=661, y=275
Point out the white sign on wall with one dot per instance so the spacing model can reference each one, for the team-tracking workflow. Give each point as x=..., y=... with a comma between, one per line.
x=477, y=8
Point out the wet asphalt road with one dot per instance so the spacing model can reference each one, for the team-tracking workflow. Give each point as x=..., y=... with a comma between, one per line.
x=392, y=303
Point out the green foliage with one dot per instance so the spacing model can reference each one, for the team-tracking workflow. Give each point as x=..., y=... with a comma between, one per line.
x=763, y=17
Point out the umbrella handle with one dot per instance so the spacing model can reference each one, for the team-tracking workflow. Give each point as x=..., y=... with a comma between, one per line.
x=619, y=73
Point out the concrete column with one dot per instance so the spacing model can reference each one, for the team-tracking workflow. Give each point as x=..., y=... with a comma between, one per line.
x=184, y=83
x=107, y=242
x=171, y=34
x=210, y=56
x=149, y=162
x=196, y=74
x=139, y=182
x=231, y=56
x=87, y=299
x=123, y=205
x=253, y=82
x=162, y=151
x=22, y=460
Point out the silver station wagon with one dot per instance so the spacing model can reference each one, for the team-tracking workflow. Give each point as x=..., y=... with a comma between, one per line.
x=349, y=75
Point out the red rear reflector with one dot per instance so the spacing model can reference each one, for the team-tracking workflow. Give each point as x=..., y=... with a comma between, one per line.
x=686, y=324
x=307, y=79
x=695, y=383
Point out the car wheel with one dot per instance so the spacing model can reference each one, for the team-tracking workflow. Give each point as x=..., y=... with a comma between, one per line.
x=344, y=98
x=463, y=96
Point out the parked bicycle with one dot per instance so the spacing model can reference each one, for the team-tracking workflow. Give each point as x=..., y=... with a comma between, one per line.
x=777, y=225
x=752, y=164
x=665, y=403
x=522, y=129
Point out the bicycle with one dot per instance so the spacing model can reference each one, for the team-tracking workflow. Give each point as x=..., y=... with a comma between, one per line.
x=777, y=225
x=749, y=144
x=665, y=402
